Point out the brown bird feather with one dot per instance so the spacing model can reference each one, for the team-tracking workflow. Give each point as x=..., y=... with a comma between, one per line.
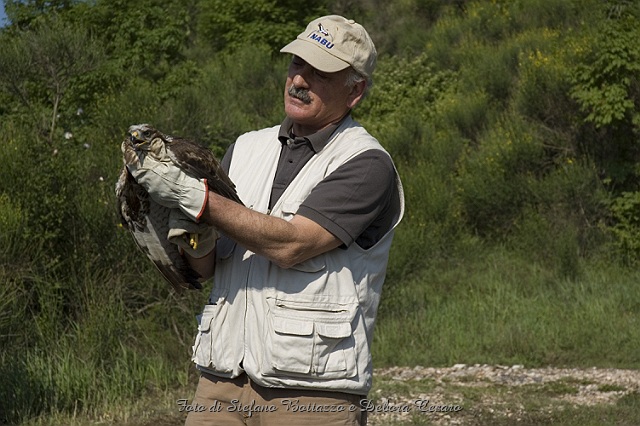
x=147, y=220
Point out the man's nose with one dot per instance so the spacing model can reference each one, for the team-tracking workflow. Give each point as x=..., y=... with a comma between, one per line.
x=300, y=76
x=299, y=81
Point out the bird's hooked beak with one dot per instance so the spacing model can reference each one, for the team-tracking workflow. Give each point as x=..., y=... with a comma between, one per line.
x=137, y=139
x=133, y=136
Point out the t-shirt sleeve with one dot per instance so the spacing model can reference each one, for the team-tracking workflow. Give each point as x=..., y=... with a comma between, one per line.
x=354, y=196
x=226, y=160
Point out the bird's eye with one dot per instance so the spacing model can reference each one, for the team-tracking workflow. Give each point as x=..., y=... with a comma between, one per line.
x=146, y=133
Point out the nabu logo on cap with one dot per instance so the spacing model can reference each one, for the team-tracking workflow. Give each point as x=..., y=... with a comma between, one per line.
x=322, y=40
x=323, y=30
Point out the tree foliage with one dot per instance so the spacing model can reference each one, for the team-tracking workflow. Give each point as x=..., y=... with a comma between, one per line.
x=41, y=65
x=229, y=24
x=606, y=83
x=22, y=13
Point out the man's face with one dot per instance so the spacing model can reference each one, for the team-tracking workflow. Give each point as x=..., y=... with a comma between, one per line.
x=314, y=99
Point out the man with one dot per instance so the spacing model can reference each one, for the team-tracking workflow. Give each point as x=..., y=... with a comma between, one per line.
x=298, y=271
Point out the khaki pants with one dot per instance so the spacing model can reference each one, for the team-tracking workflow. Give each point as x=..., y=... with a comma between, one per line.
x=239, y=401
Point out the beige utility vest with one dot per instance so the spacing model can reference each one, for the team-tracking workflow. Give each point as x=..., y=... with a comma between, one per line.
x=310, y=326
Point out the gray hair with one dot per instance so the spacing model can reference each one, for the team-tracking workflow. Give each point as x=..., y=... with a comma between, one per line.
x=354, y=77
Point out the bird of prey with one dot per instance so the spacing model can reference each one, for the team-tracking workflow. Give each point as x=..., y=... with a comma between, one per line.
x=149, y=221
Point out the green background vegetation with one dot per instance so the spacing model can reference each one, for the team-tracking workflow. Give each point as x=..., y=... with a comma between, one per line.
x=515, y=125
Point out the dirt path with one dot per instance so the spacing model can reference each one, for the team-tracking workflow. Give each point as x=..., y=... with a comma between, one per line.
x=464, y=394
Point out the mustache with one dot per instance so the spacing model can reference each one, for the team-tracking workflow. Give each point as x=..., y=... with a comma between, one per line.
x=299, y=93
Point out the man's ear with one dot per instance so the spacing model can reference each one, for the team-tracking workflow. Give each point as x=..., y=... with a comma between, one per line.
x=356, y=94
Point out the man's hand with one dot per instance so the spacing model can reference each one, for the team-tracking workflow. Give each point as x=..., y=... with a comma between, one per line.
x=196, y=239
x=168, y=185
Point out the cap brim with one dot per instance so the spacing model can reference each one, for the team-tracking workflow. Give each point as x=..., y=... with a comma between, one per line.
x=315, y=56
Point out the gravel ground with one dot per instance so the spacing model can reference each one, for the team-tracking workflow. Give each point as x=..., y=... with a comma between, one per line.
x=446, y=395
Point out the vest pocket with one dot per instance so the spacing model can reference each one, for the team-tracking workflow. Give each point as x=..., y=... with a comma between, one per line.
x=292, y=345
x=210, y=349
x=309, y=340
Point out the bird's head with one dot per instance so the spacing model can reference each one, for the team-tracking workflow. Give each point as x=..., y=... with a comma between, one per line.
x=142, y=135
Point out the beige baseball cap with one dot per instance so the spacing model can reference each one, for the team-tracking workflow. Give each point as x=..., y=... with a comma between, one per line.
x=333, y=43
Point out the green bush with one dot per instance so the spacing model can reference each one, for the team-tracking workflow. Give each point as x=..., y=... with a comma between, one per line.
x=404, y=93
x=605, y=83
x=543, y=87
x=231, y=24
x=551, y=14
x=220, y=105
x=626, y=212
x=495, y=179
x=466, y=113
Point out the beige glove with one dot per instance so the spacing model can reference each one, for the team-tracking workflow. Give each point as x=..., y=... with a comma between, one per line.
x=168, y=185
x=196, y=239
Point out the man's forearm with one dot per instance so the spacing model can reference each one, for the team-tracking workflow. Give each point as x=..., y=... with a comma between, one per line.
x=284, y=243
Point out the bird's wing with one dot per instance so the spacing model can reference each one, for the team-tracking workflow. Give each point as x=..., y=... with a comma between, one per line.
x=199, y=161
x=148, y=223
x=153, y=241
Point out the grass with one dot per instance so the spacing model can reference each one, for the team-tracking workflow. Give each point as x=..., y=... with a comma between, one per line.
x=499, y=307
x=119, y=343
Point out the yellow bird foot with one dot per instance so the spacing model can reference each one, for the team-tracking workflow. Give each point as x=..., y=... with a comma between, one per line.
x=193, y=241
